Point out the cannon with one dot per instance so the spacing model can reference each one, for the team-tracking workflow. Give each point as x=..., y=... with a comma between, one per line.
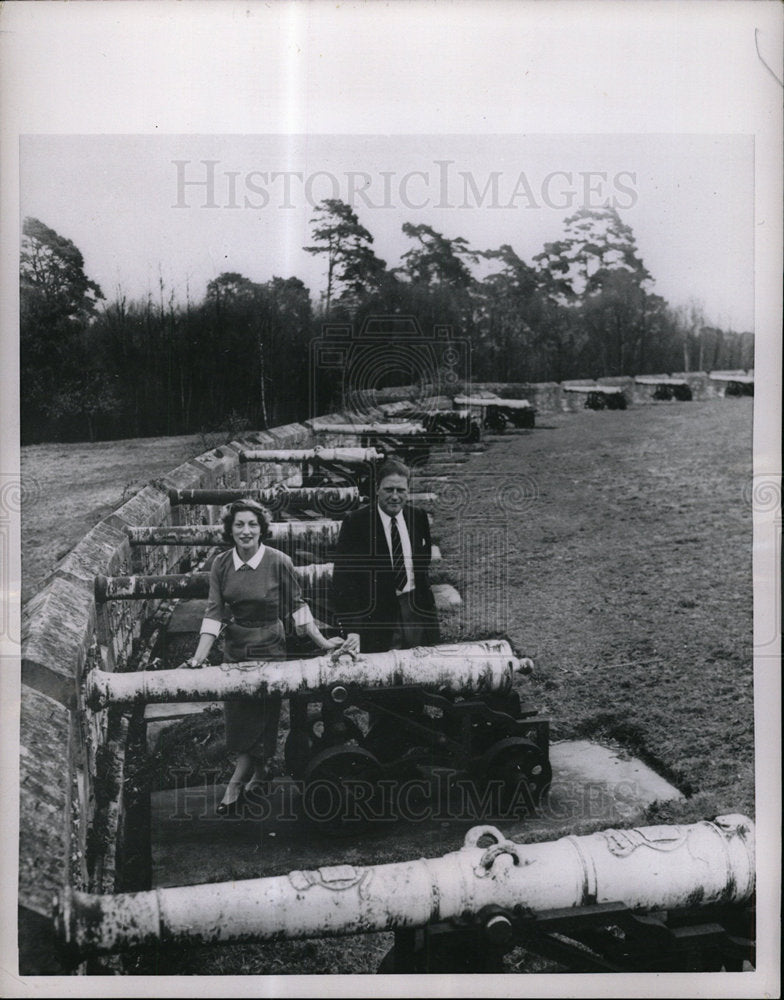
x=347, y=455
x=736, y=383
x=288, y=536
x=330, y=501
x=365, y=719
x=409, y=440
x=660, y=898
x=441, y=424
x=666, y=387
x=314, y=579
x=497, y=413
x=360, y=738
x=407, y=428
x=486, y=666
x=518, y=412
x=324, y=467
x=600, y=397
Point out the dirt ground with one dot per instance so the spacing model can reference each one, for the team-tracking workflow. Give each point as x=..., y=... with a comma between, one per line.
x=68, y=488
x=614, y=548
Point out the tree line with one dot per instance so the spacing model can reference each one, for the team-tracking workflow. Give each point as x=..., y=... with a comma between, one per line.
x=239, y=357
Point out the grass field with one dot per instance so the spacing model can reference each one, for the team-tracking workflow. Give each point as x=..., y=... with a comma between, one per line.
x=614, y=548
x=70, y=487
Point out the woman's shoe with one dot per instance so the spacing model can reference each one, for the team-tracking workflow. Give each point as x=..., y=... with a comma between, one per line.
x=232, y=810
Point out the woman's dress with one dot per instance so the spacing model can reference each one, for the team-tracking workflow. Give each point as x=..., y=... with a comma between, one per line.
x=253, y=600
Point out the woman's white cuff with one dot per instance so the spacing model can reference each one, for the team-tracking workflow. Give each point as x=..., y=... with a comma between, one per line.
x=211, y=627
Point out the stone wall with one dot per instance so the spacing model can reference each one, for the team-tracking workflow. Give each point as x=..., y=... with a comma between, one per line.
x=70, y=823
x=550, y=397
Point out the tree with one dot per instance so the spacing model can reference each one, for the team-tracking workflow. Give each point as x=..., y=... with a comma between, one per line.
x=352, y=266
x=437, y=260
x=230, y=287
x=51, y=273
x=597, y=270
x=596, y=242
x=57, y=304
x=505, y=308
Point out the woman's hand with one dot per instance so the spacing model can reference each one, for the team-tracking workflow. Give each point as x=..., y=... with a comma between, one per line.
x=191, y=664
x=347, y=647
x=351, y=644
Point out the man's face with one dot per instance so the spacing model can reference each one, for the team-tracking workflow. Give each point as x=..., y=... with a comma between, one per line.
x=392, y=494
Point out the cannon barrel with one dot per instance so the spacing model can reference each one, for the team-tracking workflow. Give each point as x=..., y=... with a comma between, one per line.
x=514, y=404
x=283, y=534
x=184, y=585
x=658, y=380
x=509, y=404
x=741, y=379
x=340, y=498
x=404, y=429
x=648, y=868
x=605, y=390
x=470, y=667
x=345, y=455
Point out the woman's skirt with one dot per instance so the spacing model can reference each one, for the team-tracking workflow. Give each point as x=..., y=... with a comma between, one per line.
x=252, y=726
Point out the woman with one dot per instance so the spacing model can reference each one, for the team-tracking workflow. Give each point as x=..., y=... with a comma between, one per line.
x=254, y=589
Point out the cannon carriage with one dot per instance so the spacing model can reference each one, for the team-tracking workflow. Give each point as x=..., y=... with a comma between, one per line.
x=496, y=414
x=447, y=734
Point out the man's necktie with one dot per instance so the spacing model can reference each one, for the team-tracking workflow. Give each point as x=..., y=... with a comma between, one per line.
x=398, y=562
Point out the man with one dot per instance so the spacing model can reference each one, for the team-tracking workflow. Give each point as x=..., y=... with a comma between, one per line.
x=380, y=580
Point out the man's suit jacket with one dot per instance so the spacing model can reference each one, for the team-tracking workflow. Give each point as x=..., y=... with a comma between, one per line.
x=363, y=581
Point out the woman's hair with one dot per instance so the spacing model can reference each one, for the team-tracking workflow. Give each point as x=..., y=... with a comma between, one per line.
x=263, y=515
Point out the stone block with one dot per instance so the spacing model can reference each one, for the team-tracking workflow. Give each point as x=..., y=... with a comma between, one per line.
x=104, y=549
x=57, y=627
x=45, y=818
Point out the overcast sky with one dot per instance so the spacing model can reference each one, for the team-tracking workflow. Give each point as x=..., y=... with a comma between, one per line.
x=186, y=208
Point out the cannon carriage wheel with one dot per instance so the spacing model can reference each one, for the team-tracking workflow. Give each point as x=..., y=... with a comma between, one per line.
x=514, y=761
x=340, y=785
